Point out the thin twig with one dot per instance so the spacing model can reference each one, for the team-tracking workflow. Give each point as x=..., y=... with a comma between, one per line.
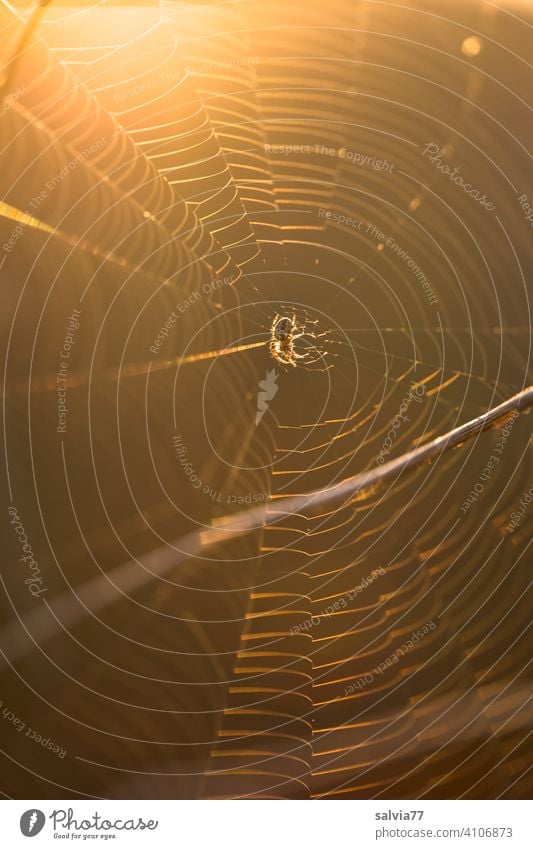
x=69, y=609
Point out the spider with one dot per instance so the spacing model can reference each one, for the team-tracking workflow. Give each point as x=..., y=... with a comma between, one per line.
x=284, y=331
x=281, y=344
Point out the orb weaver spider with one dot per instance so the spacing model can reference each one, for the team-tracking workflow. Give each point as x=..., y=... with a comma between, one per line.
x=284, y=331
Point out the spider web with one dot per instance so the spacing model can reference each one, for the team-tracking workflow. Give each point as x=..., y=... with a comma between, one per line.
x=224, y=193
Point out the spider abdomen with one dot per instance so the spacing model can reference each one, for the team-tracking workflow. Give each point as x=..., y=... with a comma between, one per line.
x=283, y=328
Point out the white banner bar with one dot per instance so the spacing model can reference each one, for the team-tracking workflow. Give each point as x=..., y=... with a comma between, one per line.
x=266, y=824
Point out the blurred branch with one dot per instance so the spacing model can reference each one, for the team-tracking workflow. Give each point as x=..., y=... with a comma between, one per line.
x=70, y=608
x=29, y=25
